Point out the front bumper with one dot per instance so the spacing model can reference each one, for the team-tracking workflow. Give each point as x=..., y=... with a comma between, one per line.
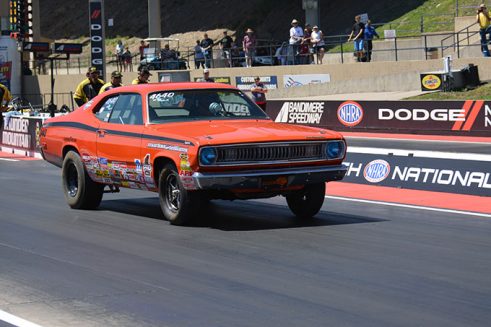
x=268, y=178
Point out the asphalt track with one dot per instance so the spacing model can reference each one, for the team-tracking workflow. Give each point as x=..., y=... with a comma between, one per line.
x=245, y=263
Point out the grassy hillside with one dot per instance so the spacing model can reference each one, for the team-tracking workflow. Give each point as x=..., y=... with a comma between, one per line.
x=480, y=93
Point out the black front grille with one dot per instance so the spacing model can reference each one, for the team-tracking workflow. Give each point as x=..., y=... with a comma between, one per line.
x=262, y=153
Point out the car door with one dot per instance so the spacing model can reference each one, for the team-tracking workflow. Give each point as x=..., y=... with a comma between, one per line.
x=119, y=139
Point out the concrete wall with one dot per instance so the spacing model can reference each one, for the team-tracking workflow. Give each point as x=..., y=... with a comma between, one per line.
x=345, y=78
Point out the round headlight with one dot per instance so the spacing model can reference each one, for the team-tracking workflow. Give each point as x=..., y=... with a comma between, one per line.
x=208, y=156
x=335, y=150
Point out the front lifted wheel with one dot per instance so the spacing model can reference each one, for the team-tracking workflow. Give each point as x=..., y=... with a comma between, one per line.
x=308, y=201
x=80, y=191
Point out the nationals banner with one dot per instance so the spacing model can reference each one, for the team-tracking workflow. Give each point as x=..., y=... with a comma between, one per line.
x=425, y=117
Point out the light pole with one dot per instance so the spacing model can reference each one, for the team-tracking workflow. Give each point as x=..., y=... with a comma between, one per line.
x=311, y=8
x=154, y=24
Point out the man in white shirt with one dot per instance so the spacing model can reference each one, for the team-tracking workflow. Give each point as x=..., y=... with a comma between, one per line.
x=296, y=35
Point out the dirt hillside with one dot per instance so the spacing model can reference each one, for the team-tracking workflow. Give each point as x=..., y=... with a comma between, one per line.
x=270, y=18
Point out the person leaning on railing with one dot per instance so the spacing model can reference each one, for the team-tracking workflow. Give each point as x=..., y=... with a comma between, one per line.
x=484, y=22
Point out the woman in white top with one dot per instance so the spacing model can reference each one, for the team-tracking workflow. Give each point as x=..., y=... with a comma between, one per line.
x=317, y=40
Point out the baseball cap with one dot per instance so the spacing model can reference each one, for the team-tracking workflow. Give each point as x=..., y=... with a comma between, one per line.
x=145, y=71
x=294, y=21
x=206, y=70
x=116, y=74
x=92, y=70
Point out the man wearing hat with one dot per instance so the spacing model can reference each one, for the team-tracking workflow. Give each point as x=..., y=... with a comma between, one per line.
x=116, y=79
x=143, y=77
x=296, y=36
x=484, y=22
x=206, y=76
x=249, y=45
x=89, y=87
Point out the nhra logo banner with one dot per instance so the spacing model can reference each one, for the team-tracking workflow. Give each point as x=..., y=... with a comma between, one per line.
x=429, y=117
x=419, y=173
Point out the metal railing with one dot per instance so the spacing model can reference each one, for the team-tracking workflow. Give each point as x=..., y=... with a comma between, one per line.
x=457, y=39
x=468, y=7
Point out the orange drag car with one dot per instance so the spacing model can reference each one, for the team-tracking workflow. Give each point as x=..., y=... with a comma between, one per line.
x=190, y=142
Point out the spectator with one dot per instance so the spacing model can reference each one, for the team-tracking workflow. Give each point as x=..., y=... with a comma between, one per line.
x=143, y=77
x=225, y=46
x=127, y=60
x=199, y=57
x=249, y=46
x=89, y=87
x=207, y=46
x=484, y=22
x=317, y=39
x=235, y=55
x=296, y=35
x=259, y=91
x=206, y=76
x=142, y=48
x=282, y=53
x=116, y=81
x=167, y=53
x=5, y=98
x=119, y=55
x=357, y=36
x=41, y=64
x=306, y=56
x=369, y=33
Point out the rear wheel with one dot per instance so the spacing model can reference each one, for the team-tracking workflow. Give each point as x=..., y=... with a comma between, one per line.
x=307, y=202
x=80, y=191
x=178, y=204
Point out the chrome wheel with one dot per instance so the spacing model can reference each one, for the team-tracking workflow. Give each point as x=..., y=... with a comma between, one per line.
x=173, y=193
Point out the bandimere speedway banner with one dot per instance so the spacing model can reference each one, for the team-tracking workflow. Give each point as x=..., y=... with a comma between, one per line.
x=472, y=118
x=21, y=133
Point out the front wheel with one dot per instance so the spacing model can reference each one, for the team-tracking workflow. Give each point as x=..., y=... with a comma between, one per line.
x=80, y=191
x=308, y=201
x=178, y=205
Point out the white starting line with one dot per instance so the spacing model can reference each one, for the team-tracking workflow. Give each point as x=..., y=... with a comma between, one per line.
x=7, y=159
x=16, y=321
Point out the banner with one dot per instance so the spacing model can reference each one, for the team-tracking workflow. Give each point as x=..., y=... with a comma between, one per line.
x=244, y=83
x=428, y=117
x=220, y=79
x=6, y=73
x=21, y=133
x=306, y=79
x=419, y=173
x=97, y=42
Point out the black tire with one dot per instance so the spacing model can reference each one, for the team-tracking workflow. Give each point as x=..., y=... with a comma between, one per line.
x=178, y=205
x=307, y=202
x=80, y=191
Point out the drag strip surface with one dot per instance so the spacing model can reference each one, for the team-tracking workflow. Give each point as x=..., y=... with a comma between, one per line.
x=249, y=263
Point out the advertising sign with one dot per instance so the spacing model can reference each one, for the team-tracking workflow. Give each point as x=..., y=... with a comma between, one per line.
x=74, y=48
x=428, y=117
x=431, y=82
x=35, y=46
x=97, y=52
x=430, y=174
x=306, y=79
x=6, y=73
x=244, y=83
x=222, y=79
x=21, y=133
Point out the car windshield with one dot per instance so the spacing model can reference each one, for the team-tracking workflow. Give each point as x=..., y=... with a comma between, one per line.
x=184, y=105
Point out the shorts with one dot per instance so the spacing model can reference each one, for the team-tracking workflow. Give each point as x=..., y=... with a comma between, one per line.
x=359, y=45
x=226, y=54
x=318, y=48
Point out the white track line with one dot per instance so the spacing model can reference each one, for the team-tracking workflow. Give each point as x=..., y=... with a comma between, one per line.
x=421, y=154
x=16, y=321
x=6, y=159
x=469, y=213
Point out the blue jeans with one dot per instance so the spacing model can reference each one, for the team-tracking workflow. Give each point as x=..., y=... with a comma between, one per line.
x=484, y=32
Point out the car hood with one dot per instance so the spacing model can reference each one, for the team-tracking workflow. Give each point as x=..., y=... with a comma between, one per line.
x=249, y=131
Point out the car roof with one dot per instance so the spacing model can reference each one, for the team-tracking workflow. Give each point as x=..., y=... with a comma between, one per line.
x=171, y=86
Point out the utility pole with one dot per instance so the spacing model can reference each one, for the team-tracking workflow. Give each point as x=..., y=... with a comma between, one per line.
x=154, y=23
x=312, y=12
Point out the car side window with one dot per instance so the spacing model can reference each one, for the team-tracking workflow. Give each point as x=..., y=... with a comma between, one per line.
x=104, y=111
x=127, y=110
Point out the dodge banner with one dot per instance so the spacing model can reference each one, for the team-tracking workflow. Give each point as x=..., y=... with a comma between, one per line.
x=427, y=117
